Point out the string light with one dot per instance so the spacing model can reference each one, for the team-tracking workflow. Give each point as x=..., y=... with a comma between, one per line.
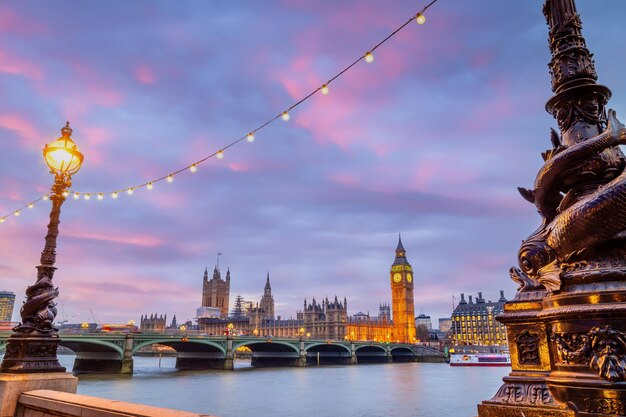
x=2, y=220
x=17, y=213
x=368, y=57
x=87, y=196
x=129, y=191
x=31, y=205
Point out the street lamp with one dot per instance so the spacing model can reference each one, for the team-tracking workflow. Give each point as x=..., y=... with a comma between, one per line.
x=32, y=346
x=301, y=330
x=230, y=328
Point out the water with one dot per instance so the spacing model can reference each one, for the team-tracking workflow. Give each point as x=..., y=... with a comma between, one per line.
x=377, y=390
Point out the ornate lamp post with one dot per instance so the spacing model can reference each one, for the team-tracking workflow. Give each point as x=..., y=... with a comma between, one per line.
x=33, y=345
x=567, y=323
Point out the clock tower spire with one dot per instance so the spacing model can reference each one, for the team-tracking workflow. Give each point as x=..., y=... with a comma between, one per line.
x=402, y=303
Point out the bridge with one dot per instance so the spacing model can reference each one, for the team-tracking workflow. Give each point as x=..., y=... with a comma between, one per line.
x=113, y=353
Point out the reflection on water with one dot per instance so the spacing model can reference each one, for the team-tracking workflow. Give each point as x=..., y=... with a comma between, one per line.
x=378, y=390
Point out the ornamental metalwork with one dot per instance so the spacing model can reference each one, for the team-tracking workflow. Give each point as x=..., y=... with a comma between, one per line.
x=528, y=348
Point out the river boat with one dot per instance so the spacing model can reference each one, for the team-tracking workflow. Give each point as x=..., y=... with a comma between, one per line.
x=480, y=359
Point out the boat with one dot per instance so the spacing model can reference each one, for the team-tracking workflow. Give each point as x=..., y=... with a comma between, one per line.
x=480, y=359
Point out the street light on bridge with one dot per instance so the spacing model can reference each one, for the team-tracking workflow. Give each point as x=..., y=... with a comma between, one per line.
x=33, y=345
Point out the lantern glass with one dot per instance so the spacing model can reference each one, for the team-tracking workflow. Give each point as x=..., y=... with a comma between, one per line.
x=63, y=156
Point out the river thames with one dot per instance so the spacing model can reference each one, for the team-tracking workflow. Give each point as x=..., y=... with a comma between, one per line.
x=376, y=390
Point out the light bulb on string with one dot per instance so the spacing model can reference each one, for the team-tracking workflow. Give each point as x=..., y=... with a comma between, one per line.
x=17, y=212
x=324, y=89
x=31, y=205
x=129, y=191
x=2, y=220
x=87, y=196
x=193, y=168
x=66, y=193
x=170, y=178
x=76, y=196
x=220, y=154
x=250, y=137
x=285, y=116
x=369, y=57
x=114, y=195
x=45, y=197
x=149, y=186
x=420, y=19
x=100, y=196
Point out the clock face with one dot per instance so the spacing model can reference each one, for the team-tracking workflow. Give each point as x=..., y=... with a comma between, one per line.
x=409, y=277
x=397, y=277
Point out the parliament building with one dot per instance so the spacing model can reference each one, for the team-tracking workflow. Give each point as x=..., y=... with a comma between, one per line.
x=325, y=319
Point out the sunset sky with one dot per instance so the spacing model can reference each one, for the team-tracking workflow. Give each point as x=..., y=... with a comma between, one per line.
x=430, y=141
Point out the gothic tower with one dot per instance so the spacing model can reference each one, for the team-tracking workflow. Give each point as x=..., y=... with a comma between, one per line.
x=216, y=291
x=267, y=301
x=401, y=275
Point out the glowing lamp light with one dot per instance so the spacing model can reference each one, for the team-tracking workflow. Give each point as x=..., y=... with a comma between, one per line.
x=65, y=193
x=76, y=196
x=420, y=19
x=324, y=89
x=17, y=213
x=220, y=154
x=62, y=155
x=170, y=178
x=31, y=205
x=250, y=137
x=149, y=186
x=2, y=220
x=369, y=57
x=285, y=116
x=87, y=196
x=114, y=195
x=100, y=196
x=129, y=191
x=193, y=168
x=45, y=197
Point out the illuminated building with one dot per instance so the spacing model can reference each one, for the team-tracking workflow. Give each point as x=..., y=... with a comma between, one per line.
x=7, y=301
x=474, y=323
x=402, y=304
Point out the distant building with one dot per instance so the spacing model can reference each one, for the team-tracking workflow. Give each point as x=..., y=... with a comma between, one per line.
x=423, y=319
x=153, y=323
x=267, y=301
x=474, y=323
x=216, y=291
x=445, y=324
x=208, y=312
x=384, y=312
x=7, y=301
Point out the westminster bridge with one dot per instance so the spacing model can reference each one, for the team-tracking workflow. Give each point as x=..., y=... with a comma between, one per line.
x=113, y=353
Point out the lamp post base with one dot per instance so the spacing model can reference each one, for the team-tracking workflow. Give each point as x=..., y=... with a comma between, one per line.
x=31, y=354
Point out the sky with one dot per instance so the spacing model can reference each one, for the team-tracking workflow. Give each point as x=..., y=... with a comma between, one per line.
x=431, y=140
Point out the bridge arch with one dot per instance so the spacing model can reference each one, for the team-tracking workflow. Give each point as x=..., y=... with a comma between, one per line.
x=183, y=346
x=268, y=346
x=371, y=353
x=402, y=354
x=328, y=346
x=87, y=346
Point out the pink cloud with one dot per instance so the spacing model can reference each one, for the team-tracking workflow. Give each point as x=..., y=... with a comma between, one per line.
x=12, y=64
x=123, y=238
x=22, y=127
x=144, y=74
x=10, y=22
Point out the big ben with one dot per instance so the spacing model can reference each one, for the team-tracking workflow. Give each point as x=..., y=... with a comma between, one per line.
x=402, y=304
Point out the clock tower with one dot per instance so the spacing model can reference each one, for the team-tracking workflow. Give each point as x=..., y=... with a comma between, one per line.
x=402, y=305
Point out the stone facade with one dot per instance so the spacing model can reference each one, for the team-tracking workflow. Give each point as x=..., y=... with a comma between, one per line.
x=216, y=291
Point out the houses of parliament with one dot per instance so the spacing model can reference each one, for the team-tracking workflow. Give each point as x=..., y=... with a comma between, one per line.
x=318, y=319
